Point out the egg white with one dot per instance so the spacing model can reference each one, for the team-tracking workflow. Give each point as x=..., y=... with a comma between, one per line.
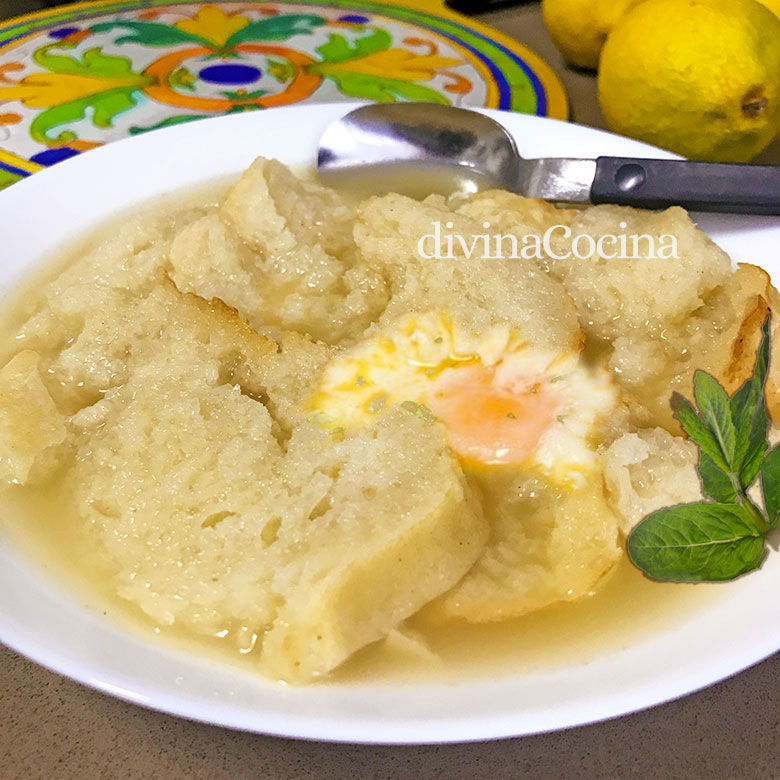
x=426, y=364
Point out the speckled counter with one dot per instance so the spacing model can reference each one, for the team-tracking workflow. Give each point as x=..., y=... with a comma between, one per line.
x=53, y=728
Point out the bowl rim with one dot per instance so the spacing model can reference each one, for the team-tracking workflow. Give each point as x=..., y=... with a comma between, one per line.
x=39, y=198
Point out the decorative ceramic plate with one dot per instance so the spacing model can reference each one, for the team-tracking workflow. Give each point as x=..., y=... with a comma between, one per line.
x=735, y=626
x=74, y=78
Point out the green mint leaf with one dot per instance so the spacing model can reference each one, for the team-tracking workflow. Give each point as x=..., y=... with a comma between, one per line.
x=697, y=543
x=715, y=482
x=716, y=412
x=697, y=431
x=750, y=416
x=712, y=542
x=770, y=484
x=753, y=459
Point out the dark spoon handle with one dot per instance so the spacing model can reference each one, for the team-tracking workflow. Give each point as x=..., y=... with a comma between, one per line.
x=697, y=186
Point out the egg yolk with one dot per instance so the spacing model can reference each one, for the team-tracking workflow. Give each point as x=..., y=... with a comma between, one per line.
x=501, y=401
x=490, y=419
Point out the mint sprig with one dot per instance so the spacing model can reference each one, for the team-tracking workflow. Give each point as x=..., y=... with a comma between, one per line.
x=720, y=539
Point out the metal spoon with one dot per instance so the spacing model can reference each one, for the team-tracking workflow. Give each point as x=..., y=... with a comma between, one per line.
x=412, y=146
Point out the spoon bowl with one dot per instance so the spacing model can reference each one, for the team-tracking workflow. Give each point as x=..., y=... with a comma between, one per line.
x=416, y=149
x=419, y=148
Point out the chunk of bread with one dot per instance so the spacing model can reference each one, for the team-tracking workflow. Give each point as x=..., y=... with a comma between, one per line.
x=31, y=427
x=280, y=251
x=650, y=470
x=721, y=337
x=657, y=318
x=477, y=291
x=303, y=545
x=640, y=294
x=545, y=546
x=395, y=533
x=277, y=212
x=83, y=326
x=510, y=214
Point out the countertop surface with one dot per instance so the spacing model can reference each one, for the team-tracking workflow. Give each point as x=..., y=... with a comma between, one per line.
x=53, y=728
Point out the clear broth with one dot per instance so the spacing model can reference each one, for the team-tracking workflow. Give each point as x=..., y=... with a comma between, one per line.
x=44, y=523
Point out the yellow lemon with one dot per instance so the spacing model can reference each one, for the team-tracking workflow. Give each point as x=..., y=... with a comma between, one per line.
x=772, y=5
x=698, y=77
x=580, y=27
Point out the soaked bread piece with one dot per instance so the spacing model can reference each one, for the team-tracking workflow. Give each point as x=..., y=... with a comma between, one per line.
x=31, y=428
x=545, y=546
x=510, y=214
x=275, y=212
x=654, y=318
x=478, y=292
x=82, y=325
x=216, y=516
x=650, y=470
x=394, y=532
x=280, y=251
x=665, y=317
x=720, y=337
x=637, y=297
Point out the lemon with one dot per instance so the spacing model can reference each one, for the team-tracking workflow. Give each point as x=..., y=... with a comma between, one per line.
x=698, y=77
x=580, y=27
x=772, y=5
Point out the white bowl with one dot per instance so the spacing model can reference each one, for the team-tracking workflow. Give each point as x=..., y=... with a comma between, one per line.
x=42, y=619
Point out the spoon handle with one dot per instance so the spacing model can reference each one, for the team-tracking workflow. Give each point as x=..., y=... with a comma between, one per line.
x=697, y=186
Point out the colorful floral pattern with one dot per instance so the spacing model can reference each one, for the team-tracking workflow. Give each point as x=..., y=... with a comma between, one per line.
x=77, y=78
